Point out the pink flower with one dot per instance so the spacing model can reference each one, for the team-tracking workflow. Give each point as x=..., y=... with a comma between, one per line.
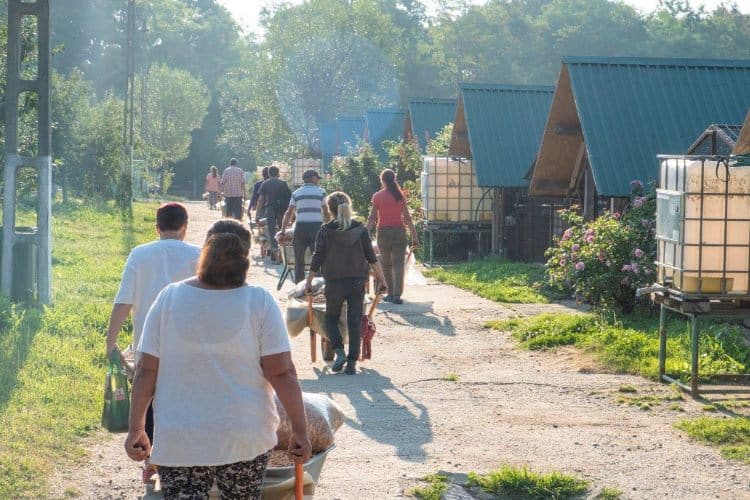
x=636, y=184
x=627, y=267
x=580, y=266
x=635, y=268
x=576, y=247
x=639, y=202
x=563, y=262
x=617, y=215
x=573, y=257
x=590, y=239
x=638, y=253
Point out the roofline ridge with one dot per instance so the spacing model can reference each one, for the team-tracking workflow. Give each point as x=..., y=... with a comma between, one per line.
x=657, y=61
x=507, y=86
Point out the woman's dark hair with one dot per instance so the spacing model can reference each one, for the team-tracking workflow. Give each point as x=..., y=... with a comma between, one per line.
x=214, y=171
x=230, y=226
x=224, y=261
x=264, y=172
x=171, y=217
x=388, y=178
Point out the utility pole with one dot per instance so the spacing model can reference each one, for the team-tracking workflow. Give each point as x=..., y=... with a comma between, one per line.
x=126, y=194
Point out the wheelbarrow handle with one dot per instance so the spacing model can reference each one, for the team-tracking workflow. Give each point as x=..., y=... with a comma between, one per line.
x=374, y=304
x=310, y=311
x=299, y=481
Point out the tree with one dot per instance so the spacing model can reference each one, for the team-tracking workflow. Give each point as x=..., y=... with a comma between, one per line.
x=442, y=141
x=175, y=105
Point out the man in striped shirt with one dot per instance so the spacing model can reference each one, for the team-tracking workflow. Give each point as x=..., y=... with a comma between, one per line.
x=307, y=204
x=233, y=187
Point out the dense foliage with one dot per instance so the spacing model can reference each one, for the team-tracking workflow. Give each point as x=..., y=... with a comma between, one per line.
x=605, y=260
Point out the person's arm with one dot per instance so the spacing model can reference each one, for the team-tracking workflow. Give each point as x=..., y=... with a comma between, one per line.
x=372, y=219
x=406, y=217
x=205, y=185
x=372, y=259
x=259, y=206
x=137, y=444
x=117, y=318
x=288, y=217
x=279, y=370
x=319, y=255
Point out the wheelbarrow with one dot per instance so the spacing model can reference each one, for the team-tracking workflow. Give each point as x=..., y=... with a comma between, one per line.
x=289, y=261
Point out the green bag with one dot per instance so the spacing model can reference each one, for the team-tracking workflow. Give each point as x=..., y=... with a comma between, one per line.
x=116, y=395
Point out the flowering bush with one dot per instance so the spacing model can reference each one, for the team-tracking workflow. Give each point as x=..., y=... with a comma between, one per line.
x=605, y=260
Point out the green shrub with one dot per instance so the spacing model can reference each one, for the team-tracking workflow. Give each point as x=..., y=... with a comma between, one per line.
x=437, y=486
x=605, y=260
x=358, y=175
x=521, y=482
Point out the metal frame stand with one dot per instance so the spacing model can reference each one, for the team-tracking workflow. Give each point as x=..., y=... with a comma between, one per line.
x=694, y=312
x=42, y=163
x=431, y=228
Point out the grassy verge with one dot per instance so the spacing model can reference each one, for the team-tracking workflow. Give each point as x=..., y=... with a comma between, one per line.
x=631, y=344
x=731, y=435
x=520, y=482
x=52, y=361
x=497, y=279
x=437, y=485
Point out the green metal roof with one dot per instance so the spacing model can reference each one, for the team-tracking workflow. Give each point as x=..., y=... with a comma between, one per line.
x=384, y=125
x=505, y=124
x=350, y=131
x=428, y=117
x=632, y=109
x=327, y=133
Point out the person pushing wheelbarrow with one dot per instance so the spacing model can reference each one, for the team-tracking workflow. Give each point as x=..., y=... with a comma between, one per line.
x=343, y=250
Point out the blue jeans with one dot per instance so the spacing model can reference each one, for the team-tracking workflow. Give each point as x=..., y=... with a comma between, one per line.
x=351, y=291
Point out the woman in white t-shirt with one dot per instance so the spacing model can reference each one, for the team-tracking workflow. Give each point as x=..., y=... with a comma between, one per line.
x=213, y=351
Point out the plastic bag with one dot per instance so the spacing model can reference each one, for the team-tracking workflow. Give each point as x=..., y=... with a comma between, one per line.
x=116, y=395
x=317, y=284
x=412, y=275
x=323, y=415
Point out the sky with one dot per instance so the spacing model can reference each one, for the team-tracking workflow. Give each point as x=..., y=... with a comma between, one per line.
x=246, y=11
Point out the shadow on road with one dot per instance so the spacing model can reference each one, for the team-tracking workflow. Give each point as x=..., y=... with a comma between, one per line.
x=419, y=315
x=383, y=412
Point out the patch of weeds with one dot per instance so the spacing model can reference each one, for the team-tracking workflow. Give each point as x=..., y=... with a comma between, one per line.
x=630, y=344
x=609, y=494
x=676, y=407
x=524, y=483
x=72, y=492
x=450, y=377
x=647, y=401
x=627, y=389
x=498, y=279
x=437, y=486
x=731, y=435
x=710, y=408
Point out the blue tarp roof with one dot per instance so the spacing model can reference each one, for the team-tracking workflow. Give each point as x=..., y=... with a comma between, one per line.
x=503, y=125
x=427, y=117
x=384, y=125
x=631, y=109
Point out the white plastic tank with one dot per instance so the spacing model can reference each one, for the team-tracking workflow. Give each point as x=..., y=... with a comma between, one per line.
x=299, y=166
x=450, y=192
x=703, y=225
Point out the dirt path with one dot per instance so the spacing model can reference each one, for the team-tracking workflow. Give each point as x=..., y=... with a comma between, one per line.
x=508, y=406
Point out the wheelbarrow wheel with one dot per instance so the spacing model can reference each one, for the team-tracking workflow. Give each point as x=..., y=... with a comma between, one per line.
x=327, y=349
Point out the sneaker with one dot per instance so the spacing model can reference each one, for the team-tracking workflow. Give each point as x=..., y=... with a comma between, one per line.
x=351, y=368
x=397, y=300
x=338, y=363
x=388, y=298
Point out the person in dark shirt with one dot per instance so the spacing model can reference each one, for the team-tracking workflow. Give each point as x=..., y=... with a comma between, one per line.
x=256, y=192
x=272, y=203
x=343, y=250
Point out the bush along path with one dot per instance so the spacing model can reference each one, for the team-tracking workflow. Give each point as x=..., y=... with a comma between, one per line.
x=445, y=395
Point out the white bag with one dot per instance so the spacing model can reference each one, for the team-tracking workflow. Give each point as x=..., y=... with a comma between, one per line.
x=412, y=275
x=323, y=415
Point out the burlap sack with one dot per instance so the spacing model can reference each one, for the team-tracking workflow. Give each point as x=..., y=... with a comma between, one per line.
x=296, y=319
x=324, y=417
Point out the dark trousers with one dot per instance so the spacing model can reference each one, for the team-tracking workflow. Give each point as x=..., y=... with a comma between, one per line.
x=234, y=207
x=392, y=246
x=304, y=238
x=351, y=291
x=273, y=221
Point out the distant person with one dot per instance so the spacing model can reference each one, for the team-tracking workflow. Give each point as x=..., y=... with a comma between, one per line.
x=307, y=205
x=212, y=378
x=150, y=268
x=213, y=187
x=344, y=251
x=256, y=192
x=390, y=214
x=272, y=203
x=233, y=187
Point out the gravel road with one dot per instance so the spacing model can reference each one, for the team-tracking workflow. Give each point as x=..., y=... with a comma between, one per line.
x=551, y=411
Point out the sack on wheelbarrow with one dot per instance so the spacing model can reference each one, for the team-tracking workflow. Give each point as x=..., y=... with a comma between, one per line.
x=296, y=319
x=323, y=415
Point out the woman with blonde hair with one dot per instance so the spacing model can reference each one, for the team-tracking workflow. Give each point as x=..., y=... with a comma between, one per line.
x=212, y=378
x=344, y=250
x=390, y=213
x=213, y=180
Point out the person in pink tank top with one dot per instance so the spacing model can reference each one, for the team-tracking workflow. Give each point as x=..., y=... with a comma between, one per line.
x=390, y=214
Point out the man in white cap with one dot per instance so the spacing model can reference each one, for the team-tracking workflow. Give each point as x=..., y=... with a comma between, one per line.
x=307, y=203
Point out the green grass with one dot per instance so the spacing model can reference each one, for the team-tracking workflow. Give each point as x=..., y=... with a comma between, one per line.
x=52, y=360
x=631, y=344
x=497, y=279
x=608, y=494
x=437, y=486
x=730, y=435
x=451, y=377
x=520, y=482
